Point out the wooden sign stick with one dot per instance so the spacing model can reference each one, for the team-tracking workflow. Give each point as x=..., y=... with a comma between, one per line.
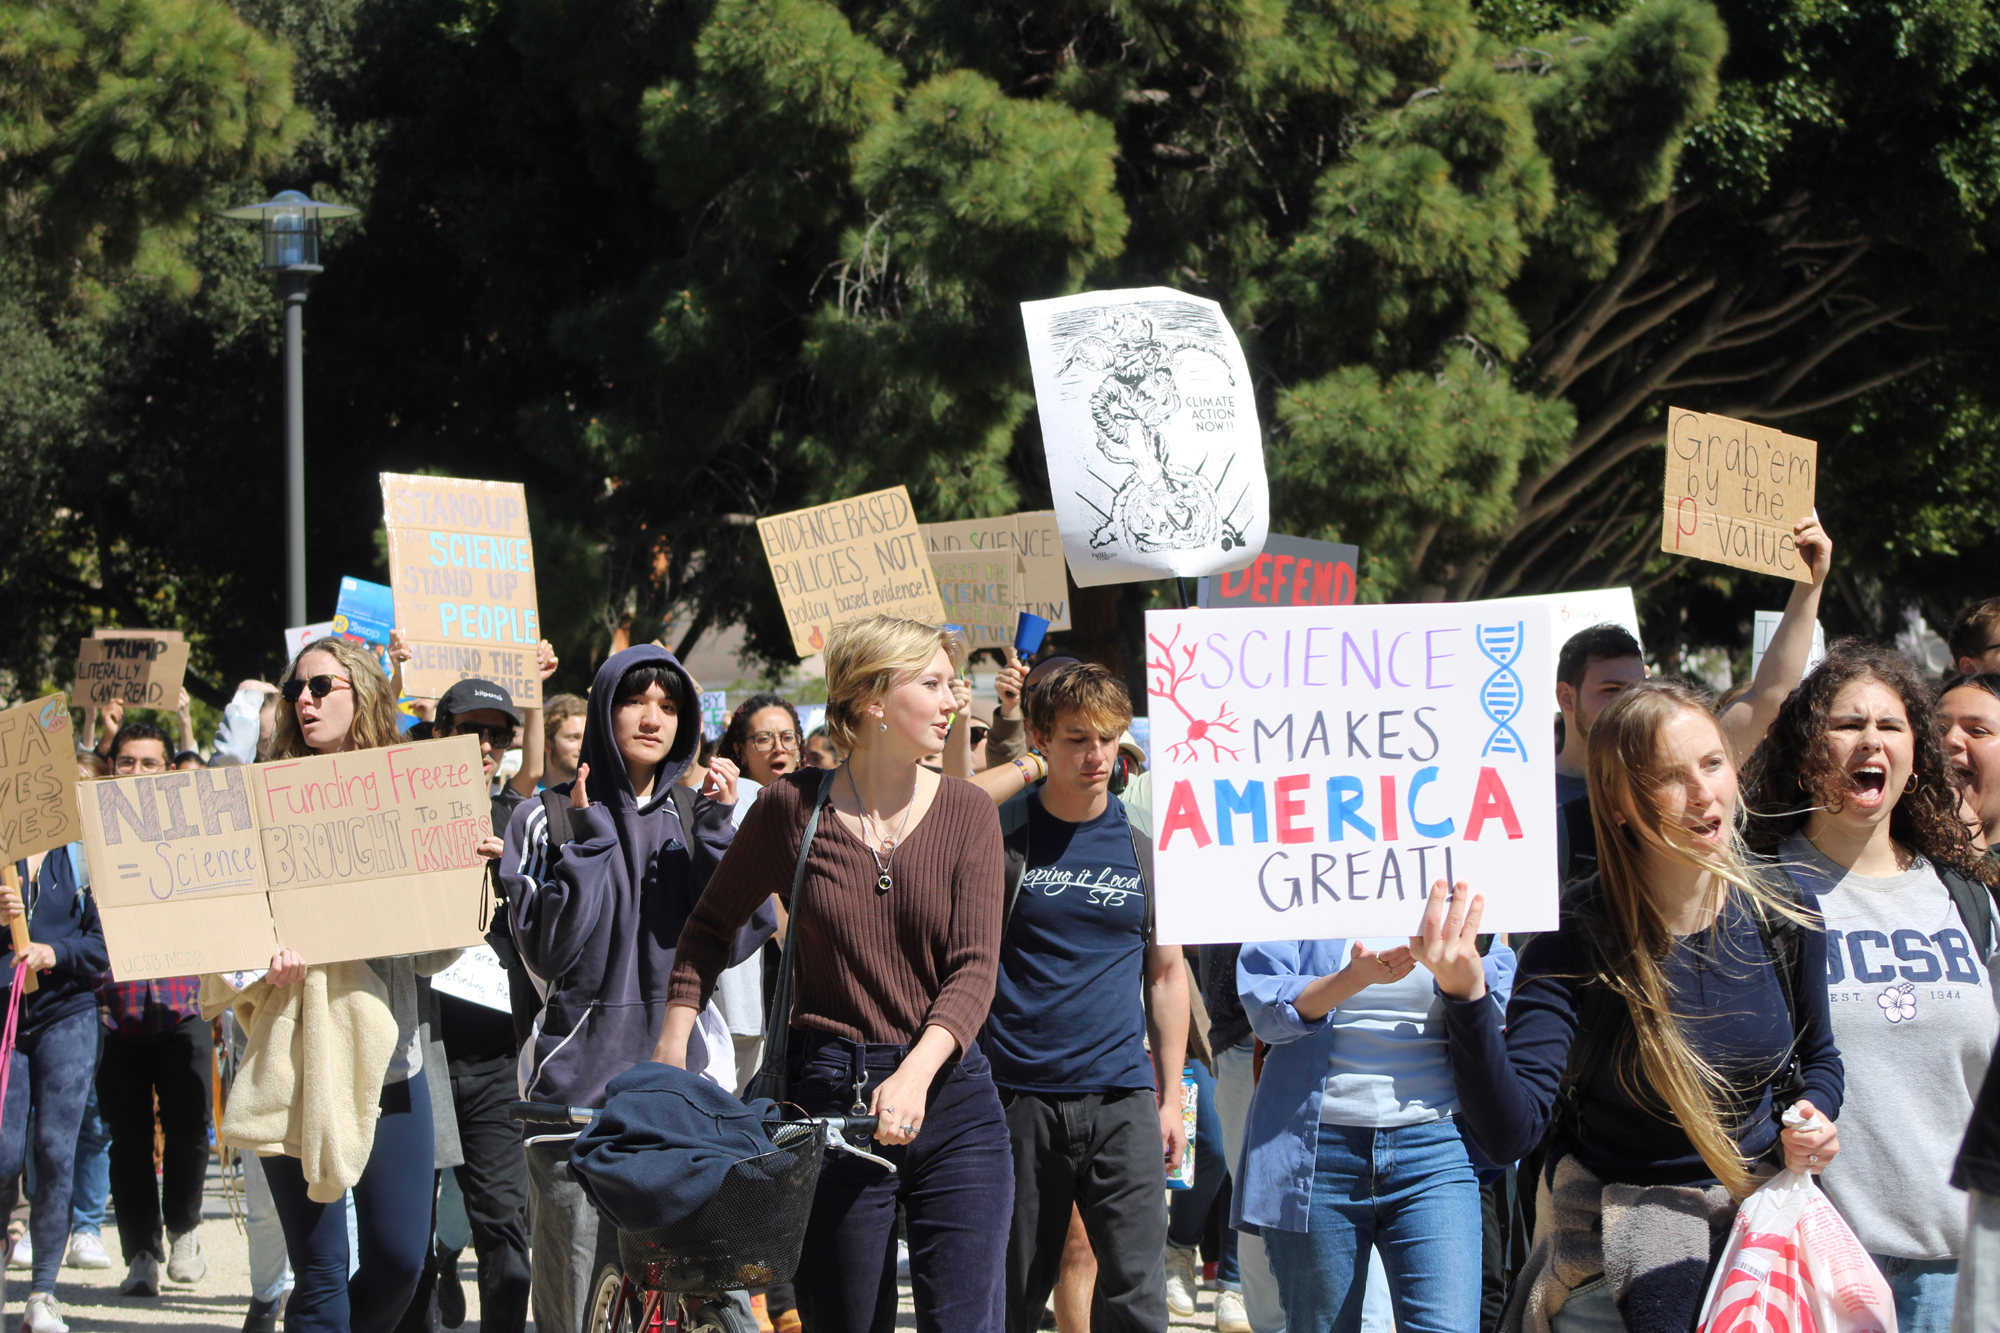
x=19, y=926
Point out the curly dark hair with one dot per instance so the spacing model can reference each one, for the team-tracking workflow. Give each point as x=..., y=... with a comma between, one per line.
x=737, y=734
x=1793, y=769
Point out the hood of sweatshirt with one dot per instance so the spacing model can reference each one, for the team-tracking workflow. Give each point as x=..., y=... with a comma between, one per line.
x=608, y=781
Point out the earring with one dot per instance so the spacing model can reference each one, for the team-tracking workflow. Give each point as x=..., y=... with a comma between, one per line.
x=1911, y=785
x=885, y=726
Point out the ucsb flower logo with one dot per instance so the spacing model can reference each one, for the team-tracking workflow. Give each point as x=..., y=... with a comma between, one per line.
x=1899, y=1003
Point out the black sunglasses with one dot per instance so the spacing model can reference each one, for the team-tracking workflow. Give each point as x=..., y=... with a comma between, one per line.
x=499, y=735
x=321, y=686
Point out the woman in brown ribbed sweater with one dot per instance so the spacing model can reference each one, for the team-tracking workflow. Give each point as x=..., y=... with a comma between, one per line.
x=898, y=946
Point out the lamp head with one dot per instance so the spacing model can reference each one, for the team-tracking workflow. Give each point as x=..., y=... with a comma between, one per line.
x=291, y=229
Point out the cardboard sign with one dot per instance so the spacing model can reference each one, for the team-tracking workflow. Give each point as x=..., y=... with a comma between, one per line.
x=1316, y=769
x=141, y=668
x=1733, y=492
x=1292, y=571
x=714, y=713
x=862, y=556
x=462, y=567
x=1149, y=425
x=1767, y=625
x=37, y=778
x=367, y=854
x=990, y=568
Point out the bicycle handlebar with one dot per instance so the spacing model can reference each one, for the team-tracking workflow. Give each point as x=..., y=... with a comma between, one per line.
x=567, y=1117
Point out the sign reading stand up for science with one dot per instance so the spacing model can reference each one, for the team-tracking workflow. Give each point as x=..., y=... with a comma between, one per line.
x=462, y=565
x=1317, y=769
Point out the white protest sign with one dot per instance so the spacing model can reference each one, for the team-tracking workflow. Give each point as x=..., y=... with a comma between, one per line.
x=1571, y=613
x=1766, y=626
x=1315, y=769
x=476, y=976
x=1149, y=421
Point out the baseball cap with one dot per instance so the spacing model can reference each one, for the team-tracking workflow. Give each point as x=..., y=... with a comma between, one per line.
x=469, y=696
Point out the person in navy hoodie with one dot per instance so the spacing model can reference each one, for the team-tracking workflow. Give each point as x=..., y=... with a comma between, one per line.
x=597, y=908
x=55, y=1055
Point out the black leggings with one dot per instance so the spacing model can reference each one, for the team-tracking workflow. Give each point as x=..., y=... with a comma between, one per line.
x=392, y=1205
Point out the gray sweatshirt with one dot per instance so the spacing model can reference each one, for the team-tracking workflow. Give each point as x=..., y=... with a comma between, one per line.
x=1914, y=1016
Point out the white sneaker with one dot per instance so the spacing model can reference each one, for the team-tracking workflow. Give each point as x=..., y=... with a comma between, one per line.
x=42, y=1314
x=1183, y=1281
x=1229, y=1316
x=184, y=1261
x=86, y=1250
x=23, y=1253
x=143, y=1278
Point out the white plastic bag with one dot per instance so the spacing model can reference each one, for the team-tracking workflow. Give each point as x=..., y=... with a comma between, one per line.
x=1793, y=1266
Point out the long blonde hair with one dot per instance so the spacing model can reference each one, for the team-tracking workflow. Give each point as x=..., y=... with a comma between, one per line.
x=374, y=709
x=1652, y=1056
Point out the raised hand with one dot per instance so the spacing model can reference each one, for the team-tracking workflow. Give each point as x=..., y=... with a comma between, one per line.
x=720, y=785
x=1007, y=685
x=1449, y=946
x=1815, y=547
x=577, y=797
x=546, y=661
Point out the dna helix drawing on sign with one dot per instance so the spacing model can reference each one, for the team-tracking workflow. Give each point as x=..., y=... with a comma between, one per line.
x=1501, y=695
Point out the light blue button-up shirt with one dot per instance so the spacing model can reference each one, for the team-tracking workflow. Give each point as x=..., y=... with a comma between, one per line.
x=1281, y=1142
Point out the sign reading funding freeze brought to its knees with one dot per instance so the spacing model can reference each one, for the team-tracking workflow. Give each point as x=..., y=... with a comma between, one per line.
x=462, y=565
x=861, y=556
x=366, y=854
x=1317, y=769
x=1733, y=492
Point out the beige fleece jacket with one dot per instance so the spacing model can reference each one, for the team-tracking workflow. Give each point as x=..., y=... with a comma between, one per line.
x=311, y=1081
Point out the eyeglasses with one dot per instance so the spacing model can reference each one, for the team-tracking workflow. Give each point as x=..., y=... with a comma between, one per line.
x=765, y=741
x=499, y=735
x=321, y=686
x=132, y=763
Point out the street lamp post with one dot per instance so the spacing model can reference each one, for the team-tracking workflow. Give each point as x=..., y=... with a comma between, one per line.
x=291, y=251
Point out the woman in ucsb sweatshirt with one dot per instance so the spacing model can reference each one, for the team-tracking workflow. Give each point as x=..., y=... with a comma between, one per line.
x=597, y=904
x=1853, y=792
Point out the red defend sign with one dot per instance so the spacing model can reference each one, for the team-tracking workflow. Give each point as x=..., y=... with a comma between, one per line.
x=1291, y=572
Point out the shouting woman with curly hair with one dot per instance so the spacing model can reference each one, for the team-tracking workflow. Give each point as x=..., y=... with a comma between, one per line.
x=1852, y=790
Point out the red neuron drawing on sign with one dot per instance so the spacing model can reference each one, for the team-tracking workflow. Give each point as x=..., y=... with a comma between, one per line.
x=1173, y=675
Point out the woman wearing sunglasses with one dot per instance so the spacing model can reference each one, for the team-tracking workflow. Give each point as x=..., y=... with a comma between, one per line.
x=336, y=699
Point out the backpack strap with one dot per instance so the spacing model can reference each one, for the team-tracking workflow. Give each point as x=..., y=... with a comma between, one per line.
x=555, y=808
x=1014, y=840
x=1975, y=907
x=1142, y=854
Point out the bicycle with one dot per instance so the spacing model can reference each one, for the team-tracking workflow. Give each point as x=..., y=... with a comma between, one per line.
x=748, y=1234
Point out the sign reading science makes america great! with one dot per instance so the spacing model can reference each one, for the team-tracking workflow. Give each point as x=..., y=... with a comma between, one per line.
x=1317, y=769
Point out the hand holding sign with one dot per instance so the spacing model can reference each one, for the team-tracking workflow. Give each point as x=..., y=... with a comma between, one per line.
x=1449, y=946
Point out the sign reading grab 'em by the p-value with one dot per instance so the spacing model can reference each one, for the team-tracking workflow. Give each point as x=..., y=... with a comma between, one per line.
x=1317, y=769
x=462, y=565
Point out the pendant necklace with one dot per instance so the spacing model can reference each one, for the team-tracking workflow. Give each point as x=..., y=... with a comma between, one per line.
x=882, y=883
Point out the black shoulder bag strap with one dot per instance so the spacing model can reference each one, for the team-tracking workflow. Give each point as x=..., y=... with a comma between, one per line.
x=773, y=1074
x=1014, y=838
x=1975, y=908
x=1142, y=853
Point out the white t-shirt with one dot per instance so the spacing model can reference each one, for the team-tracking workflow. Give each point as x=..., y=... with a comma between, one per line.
x=1915, y=1018
x=1389, y=1066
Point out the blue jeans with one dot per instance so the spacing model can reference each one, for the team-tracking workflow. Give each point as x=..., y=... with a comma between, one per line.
x=1589, y=1309
x=1409, y=1192
x=51, y=1069
x=1924, y=1291
x=392, y=1204
x=92, y=1184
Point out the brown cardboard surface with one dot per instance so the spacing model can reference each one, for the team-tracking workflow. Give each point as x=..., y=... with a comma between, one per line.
x=462, y=569
x=366, y=854
x=857, y=557
x=105, y=632
x=988, y=569
x=143, y=669
x=1733, y=491
x=37, y=778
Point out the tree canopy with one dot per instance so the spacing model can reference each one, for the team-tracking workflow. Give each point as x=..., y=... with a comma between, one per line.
x=678, y=265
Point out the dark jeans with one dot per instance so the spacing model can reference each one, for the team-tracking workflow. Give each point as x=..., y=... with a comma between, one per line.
x=392, y=1205
x=494, y=1181
x=953, y=1182
x=51, y=1070
x=1100, y=1152
x=176, y=1066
